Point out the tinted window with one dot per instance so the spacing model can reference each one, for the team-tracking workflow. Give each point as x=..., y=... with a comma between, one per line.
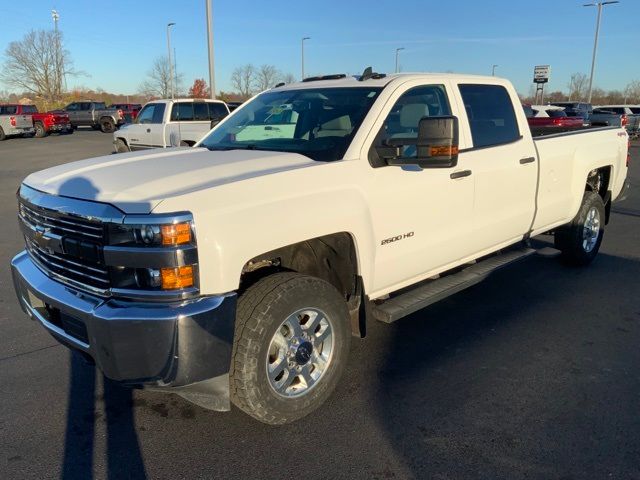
x=200, y=111
x=217, y=111
x=491, y=115
x=9, y=110
x=85, y=106
x=99, y=106
x=528, y=111
x=29, y=109
x=72, y=107
x=182, y=112
x=326, y=119
x=158, y=113
x=556, y=113
x=635, y=110
x=151, y=113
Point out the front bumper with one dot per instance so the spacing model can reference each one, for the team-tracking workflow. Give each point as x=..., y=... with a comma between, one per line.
x=153, y=344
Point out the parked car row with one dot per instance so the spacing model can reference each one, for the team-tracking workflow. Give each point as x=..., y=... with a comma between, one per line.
x=563, y=116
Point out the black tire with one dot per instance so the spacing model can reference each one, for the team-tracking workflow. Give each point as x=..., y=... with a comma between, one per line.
x=2, y=135
x=107, y=125
x=41, y=132
x=579, y=241
x=121, y=146
x=262, y=309
x=69, y=131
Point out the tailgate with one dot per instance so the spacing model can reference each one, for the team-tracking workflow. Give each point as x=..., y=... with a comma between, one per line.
x=60, y=118
x=23, y=121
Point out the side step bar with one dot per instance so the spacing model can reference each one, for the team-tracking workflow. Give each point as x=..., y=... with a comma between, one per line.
x=425, y=294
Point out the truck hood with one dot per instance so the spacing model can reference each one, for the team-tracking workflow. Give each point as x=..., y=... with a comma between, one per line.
x=137, y=182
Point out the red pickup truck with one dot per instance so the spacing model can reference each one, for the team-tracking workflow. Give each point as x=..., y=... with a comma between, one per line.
x=129, y=110
x=44, y=123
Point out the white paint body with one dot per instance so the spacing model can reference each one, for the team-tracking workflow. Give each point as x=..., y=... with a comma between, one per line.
x=246, y=203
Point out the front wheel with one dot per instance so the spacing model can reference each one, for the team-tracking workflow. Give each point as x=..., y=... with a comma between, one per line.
x=121, y=146
x=580, y=240
x=290, y=348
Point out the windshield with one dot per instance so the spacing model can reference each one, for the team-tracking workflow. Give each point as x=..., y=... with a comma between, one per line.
x=318, y=123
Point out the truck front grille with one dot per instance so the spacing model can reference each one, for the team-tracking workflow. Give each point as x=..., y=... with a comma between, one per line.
x=79, y=264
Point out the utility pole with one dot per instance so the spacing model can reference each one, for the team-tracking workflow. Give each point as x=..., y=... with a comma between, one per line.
x=493, y=70
x=397, y=64
x=59, y=73
x=212, y=74
x=302, y=51
x=169, y=25
x=595, y=42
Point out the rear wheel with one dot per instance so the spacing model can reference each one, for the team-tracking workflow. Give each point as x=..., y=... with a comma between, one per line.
x=107, y=125
x=2, y=134
x=40, y=130
x=290, y=347
x=580, y=240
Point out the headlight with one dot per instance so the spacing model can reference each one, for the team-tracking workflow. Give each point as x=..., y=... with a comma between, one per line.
x=152, y=235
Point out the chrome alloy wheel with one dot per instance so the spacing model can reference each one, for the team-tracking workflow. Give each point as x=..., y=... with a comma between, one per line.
x=591, y=230
x=300, y=352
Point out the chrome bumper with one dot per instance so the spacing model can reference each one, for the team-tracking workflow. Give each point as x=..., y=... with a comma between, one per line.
x=154, y=344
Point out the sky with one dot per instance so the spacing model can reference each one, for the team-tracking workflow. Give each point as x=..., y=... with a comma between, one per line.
x=114, y=43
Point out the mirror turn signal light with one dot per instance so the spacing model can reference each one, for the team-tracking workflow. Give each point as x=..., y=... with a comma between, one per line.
x=178, y=277
x=176, y=234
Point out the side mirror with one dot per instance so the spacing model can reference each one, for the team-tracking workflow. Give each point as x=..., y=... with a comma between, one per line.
x=436, y=145
x=214, y=122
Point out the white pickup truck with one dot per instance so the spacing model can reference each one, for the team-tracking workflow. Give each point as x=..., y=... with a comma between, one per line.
x=238, y=270
x=170, y=123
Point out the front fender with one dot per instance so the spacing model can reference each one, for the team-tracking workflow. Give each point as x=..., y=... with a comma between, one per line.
x=239, y=221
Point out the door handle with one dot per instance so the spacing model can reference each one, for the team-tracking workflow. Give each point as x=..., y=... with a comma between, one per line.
x=524, y=161
x=460, y=174
x=148, y=130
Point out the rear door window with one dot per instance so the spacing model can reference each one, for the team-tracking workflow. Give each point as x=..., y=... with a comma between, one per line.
x=9, y=110
x=491, y=115
x=182, y=112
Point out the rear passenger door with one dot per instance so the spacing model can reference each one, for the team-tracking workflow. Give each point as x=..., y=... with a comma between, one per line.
x=503, y=163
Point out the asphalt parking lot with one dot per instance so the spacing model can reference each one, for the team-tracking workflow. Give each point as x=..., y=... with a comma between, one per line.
x=531, y=374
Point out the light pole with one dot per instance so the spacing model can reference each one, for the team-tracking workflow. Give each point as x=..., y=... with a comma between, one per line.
x=169, y=25
x=212, y=74
x=493, y=70
x=302, y=51
x=397, y=52
x=595, y=42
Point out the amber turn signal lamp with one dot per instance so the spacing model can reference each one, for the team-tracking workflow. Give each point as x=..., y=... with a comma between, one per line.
x=178, y=277
x=176, y=234
x=444, y=150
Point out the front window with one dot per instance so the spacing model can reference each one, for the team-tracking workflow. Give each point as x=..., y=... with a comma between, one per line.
x=317, y=122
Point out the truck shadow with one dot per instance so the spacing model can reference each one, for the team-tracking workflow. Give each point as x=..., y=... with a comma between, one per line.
x=515, y=380
x=123, y=454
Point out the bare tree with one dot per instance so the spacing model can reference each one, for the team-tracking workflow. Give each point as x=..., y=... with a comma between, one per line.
x=38, y=64
x=158, y=82
x=288, y=78
x=578, y=86
x=632, y=92
x=267, y=77
x=243, y=80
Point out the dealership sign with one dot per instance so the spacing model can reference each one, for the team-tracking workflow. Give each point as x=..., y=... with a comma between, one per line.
x=541, y=74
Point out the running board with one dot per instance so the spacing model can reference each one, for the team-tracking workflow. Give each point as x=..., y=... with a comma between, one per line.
x=425, y=294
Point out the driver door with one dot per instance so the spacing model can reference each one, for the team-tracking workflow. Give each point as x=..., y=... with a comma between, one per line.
x=422, y=217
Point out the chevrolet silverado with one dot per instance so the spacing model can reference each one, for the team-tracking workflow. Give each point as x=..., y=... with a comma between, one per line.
x=239, y=270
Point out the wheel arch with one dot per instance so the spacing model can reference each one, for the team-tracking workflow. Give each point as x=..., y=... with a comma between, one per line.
x=332, y=257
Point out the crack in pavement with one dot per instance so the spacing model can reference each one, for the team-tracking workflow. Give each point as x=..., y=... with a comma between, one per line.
x=21, y=354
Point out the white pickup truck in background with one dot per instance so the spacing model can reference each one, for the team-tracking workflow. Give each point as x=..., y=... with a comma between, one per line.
x=12, y=125
x=170, y=123
x=239, y=270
